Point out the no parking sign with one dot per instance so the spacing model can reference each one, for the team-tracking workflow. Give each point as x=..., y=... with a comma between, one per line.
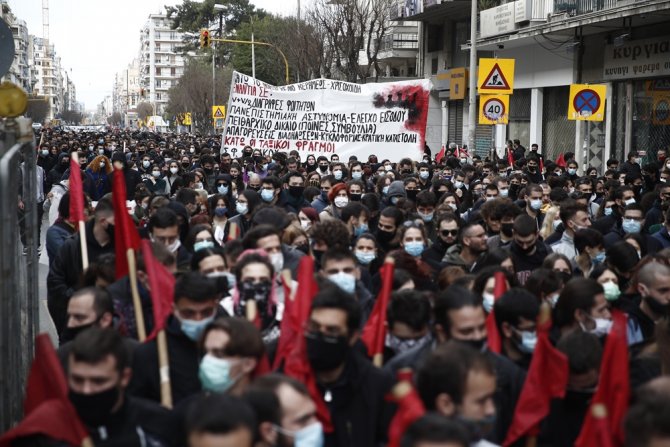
x=587, y=102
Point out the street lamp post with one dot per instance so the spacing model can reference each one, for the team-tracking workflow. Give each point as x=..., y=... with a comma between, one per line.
x=220, y=9
x=472, y=111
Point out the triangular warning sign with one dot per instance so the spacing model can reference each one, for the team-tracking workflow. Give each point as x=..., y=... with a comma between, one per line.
x=218, y=113
x=495, y=80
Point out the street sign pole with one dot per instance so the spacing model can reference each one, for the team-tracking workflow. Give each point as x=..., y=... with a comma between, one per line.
x=472, y=111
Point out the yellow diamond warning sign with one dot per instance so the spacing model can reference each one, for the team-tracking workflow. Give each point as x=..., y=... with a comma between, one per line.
x=218, y=112
x=495, y=76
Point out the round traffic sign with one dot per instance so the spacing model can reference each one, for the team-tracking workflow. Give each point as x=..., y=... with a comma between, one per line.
x=494, y=109
x=586, y=102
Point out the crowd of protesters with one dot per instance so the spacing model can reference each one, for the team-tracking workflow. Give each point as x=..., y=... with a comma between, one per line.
x=588, y=243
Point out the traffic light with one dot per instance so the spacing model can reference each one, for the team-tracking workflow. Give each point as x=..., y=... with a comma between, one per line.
x=204, y=39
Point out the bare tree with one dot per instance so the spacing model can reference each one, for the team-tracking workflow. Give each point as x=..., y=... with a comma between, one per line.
x=193, y=93
x=348, y=27
x=144, y=110
x=38, y=109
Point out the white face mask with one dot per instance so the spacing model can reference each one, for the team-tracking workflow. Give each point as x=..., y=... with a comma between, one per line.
x=173, y=247
x=305, y=224
x=341, y=202
x=488, y=301
x=277, y=261
x=174, y=170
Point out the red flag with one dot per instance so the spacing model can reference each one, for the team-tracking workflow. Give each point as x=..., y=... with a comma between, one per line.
x=233, y=231
x=47, y=408
x=295, y=314
x=560, y=161
x=296, y=363
x=547, y=379
x=613, y=390
x=76, y=191
x=541, y=165
x=410, y=407
x=494, y=341
x=510, y=158
x=161, y=282
x=55, y=419
x=125, y=231
x=374, y=332
x=440, y=155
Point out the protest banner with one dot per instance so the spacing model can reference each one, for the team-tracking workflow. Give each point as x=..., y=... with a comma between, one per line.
x=325, y=117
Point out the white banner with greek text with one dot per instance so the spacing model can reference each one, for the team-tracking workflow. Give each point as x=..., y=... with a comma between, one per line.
x=325, y=117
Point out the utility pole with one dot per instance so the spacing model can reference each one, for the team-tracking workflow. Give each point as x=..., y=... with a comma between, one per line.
x=472, y=111
x=253, y=53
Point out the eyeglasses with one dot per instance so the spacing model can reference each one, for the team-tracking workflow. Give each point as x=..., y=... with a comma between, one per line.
x=447, y=233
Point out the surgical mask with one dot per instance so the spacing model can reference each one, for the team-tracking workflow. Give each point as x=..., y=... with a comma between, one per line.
x=264, y=166
x=202, y=244
x=156, y=174
x=631, y=226
x=310, y=436
x=193, y=328
x=612, y=291
x=388, y=168
x=241, y=208
x=174, y=171
x=607, y=211
x=599, y=258
x=345, y=281
x=553, y=299
x=458, y=185
x=191, y=149
x=488, y=301
x=536, y=204
x=277, y=261
x=363, y=228
x=214, y=374
x=365, y=257
x=426, y=217
x=305, y=224
x=173, y=247
x=572, y=171
x=629, y=201
x=603, y=327
x=356, y=175
x=504, y=192
x=222, y=189
x=340, y=201
x=102, y=164
x=394, y=200
x=464, y=161
x=385, y=190
x=414, y=248
x=230, y=277
x=101, y=151
x=267, y=195
x=146, y=164
x=424, y=174
x=198, y=185
x=220, y=211
x=453, y=206
x=337, y=175
x=528, y=342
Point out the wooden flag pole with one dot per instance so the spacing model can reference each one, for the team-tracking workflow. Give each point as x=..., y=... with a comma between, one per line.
x=82, y=228
x=83, y=244
x=137, y=304
x=251, y=310
x=164, y=370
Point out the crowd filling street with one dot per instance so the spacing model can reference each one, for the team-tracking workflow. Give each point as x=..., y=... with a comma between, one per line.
x=282, y=298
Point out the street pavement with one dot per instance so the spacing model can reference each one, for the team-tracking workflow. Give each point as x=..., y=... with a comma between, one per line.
x=46, y=325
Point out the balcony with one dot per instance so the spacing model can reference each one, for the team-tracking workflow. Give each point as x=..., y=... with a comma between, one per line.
x=398, y=46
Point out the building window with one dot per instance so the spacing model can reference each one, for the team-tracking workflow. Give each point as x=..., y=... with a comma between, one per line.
x=434, y=38
x=433, y=65
x=158, y=71
x=172, y=71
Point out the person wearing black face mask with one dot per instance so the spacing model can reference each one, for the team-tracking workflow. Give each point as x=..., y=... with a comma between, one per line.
x=98, y=375
x=653, y=285
x=352, y=388
x=566, y=416
x=527, y=250
x=291, y=197
x=66, y=269
x=458, y=315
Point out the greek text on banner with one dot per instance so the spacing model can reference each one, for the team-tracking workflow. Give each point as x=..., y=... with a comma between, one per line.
x=325, y=117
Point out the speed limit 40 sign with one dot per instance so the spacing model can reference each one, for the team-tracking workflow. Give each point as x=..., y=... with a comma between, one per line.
x=493, y=109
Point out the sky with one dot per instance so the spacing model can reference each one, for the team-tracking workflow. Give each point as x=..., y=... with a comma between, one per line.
x=95, y=39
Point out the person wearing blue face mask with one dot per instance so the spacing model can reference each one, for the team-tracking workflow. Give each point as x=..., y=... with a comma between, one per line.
x=631, y=225
x=297, y=424
x=515, y=313
x=589, y=245
x=413, y=239
x=355, y=215
x=196, y=304
x=200, y=237
x=245, y=205
x=339, y=266
x=270, y=189
x=232, y=348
